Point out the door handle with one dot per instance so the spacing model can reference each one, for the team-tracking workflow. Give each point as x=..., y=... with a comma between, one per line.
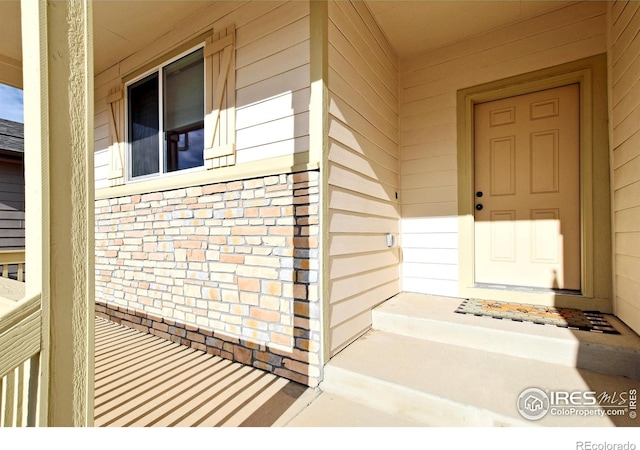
x=479, y=206
x=479, y=194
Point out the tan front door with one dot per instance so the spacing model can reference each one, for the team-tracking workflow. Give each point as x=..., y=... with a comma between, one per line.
x=527, y=186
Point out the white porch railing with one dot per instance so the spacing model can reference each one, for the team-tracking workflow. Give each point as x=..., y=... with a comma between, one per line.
x=10, y=259
x=20, y=323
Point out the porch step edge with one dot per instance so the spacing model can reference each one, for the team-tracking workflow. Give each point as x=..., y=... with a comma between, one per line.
x=441, y=384
x=410, y=404
x=536, y=342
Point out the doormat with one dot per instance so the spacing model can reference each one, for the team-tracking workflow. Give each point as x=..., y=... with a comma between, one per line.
x=543, y=315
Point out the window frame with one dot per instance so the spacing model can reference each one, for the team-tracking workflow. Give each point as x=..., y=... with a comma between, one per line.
x=158, y=69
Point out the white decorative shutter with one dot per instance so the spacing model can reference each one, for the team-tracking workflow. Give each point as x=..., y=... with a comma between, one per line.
x=220, y=99
x=115, y=110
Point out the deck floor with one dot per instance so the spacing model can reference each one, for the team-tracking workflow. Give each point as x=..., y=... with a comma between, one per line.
x=142, y=380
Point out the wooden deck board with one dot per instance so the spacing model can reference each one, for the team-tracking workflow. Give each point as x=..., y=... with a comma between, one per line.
x=142, y=380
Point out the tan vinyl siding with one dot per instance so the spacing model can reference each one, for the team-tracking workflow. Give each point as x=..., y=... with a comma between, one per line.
x=272, y=75
x=362, y=171
x=624, y=60
x=428, y=144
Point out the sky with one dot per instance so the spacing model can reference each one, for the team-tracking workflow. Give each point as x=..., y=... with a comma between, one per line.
x=11, y=104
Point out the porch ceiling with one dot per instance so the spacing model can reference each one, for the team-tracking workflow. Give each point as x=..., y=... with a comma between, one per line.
x=123, y=27
x=120, y=27
x=417, y=26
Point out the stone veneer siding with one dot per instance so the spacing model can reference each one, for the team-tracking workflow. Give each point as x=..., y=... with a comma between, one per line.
x=229, y=268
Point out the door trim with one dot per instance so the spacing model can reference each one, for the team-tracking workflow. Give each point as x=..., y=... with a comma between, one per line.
x=590, y=74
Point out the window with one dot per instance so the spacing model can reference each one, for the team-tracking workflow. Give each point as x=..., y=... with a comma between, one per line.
x=166, y=118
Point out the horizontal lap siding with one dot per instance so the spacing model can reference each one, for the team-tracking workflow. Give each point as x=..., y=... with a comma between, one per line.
x=362, y=171
x=272, y=78
x=11, y=206
x=428, y=136
x=624, y=60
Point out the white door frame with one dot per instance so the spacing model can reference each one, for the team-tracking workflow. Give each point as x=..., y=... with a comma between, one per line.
x=588, y=73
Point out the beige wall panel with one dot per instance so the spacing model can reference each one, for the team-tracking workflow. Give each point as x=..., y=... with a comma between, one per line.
x=428, y=134
x=101, y=118
x=626, y=128
x=346, y=179
x=435, y=271
x=428, y=141
x=628, y=310
x=627, y=196
x=440, y=116
x=419, y=210
x=348, y=265
x=624, y=34
x=628, y=220
x=430, y=240
x=627, y=174
x=359, y=304
x=275, y=42
x=428, y=150
x=266, y=17
x=439, y=194
x=537, y=26
x=297, y=149
x=431, y=256
x=362, y=171
x=507, y=52
x=378, y=133
x=343, y=334
x=365, y=25
x=432, y=164
x=288, y=59
x=273, y=108
x=346, y=222
x=627, y=151
x=353, y=244
x=359, y=142
x=286, y=82
x=433, y=179
x=101, y=132
x=341, y=45
x=342, y=199
x=628, y=244
x=428, y=225
x=518, y=60
x=369, y=90
x=423, y=106
x=626, y=80
x=627, y=267
x=358, y=163
x=617, y=8
x=101, y=162
x=344, y=288
x=628, y=103
x=349, y=26
x=275, y=131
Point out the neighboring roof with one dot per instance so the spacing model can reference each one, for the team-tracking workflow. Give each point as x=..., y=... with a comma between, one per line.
x=11, y=136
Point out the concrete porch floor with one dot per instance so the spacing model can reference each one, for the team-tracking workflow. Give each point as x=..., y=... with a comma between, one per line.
x=426, y=350
x=145, y=381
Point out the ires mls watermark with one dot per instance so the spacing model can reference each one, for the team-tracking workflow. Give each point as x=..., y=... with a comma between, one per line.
x=534, y=403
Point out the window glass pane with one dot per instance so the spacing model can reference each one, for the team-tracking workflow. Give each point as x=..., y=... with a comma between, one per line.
x=184, y=91
x=185, y=149
x=144, y=126
x=184, y=112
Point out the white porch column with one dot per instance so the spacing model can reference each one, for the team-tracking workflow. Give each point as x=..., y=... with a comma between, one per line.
x=57, y=51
